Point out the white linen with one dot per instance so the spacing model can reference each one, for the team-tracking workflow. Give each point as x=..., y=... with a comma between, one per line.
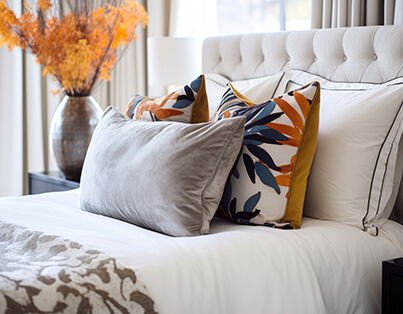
x=323, y=267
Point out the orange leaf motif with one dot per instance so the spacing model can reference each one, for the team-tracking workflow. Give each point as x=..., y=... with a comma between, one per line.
x=287, y=168
x=283, y=180
x=302, y=102
x=155, y=106
x=291, y=113
x=285, y=129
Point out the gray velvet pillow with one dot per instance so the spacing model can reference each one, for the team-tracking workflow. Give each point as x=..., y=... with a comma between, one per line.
x=164, y=176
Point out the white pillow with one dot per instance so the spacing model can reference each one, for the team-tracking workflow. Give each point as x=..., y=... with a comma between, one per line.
x=353, y=176
x=295, y=78
x=216, y=85
x=257, y=90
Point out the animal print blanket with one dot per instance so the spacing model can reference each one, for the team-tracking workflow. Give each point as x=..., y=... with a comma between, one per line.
x=42, y=273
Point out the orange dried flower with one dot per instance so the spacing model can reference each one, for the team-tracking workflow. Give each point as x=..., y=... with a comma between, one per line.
x=44, y=5
x=79, y=48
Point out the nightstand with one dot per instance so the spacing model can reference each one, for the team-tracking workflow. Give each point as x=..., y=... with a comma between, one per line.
x=392, y=286
x=42, y=182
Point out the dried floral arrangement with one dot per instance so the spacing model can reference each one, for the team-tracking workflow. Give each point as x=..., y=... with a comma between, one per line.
x=77, y=42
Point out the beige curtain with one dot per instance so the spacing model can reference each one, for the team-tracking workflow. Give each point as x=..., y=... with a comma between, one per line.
x=345, y=13
x=27, y=106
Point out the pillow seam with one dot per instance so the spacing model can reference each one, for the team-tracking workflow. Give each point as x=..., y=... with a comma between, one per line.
x=278, y=84
x=386, y=168
x=375, y=166
x=216, y=167
x=360, y=82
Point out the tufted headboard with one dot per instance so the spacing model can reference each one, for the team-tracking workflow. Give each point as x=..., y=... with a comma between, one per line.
x=372, y=54
x=360, y=54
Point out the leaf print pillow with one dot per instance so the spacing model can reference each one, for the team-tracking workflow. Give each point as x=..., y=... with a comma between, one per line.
x=187, y=104
x=268, y=181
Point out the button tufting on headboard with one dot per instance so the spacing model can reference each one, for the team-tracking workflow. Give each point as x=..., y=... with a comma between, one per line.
x=358, y=54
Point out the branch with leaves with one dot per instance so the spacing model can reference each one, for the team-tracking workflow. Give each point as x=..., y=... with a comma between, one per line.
x=78, y=42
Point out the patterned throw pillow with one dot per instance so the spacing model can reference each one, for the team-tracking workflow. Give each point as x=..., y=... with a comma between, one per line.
x=231, y=101
x=187, y=104
x=267, y=184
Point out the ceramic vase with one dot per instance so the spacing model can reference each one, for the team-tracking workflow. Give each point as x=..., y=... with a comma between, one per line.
x=70, y=134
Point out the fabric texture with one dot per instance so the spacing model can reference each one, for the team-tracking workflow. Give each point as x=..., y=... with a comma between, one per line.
x=187, y=104
x=357, y=168
x=166, y=176
x=42, y=273
x=311, y=260
x=305, y=265
x=330, y=53
x=267, y=184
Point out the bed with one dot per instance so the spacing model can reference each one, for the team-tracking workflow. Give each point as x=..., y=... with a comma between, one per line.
x=326, y=266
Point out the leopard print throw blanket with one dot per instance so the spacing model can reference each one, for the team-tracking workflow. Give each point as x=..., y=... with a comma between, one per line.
x=42, y=273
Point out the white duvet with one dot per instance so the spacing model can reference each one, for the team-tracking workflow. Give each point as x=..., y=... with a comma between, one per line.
x=325, y=267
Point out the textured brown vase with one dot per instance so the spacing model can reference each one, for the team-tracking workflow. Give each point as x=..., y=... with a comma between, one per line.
x=71, y=130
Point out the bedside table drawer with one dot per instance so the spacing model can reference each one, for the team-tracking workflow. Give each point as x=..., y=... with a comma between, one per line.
x=42, y=182
x=392, y=286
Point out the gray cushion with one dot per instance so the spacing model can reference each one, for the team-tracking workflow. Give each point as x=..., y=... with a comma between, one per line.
x=164, y=176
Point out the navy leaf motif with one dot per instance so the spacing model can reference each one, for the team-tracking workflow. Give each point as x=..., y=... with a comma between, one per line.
x=234, y=170
x=232, y=207
x=287, y=227
x=195, y=85
x=184, y=101
x=266, y=176
x=233, y=105
x=257, y=129
x=189, y=92
x=250, y=167
x=228, y=95
x=269, y=107
x=244, y=217
x=275, y=135
x=265, y=120
x=251, y=203
x=248, y=112
x=226, y=197
x=235, y=173
x=264, y=156
x=251, y=142
x=260, y=138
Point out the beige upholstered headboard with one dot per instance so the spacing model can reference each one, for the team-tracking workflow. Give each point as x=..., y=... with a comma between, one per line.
x=358, y=54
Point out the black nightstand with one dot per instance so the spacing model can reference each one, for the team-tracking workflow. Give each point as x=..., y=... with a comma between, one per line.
x=42, y=182
x=392, y=286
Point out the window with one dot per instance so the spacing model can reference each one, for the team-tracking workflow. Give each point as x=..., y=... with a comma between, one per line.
x=297, y=14
x=248, y=16
x=202, y=18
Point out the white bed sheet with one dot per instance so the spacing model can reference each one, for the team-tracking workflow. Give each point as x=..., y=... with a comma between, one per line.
x=235, y=269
